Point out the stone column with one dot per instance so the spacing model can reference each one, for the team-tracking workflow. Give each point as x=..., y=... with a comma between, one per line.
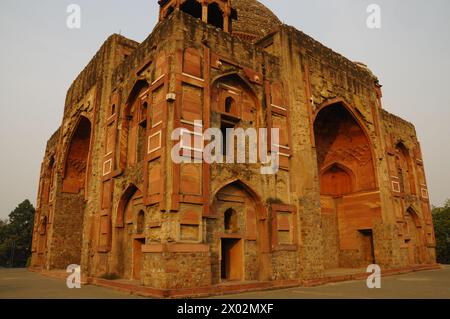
x=205, y=11
x=226, y=19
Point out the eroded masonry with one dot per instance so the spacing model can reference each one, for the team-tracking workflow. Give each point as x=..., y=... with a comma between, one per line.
x=351, y=189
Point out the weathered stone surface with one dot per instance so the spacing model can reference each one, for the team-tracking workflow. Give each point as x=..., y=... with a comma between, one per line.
x=350, y=191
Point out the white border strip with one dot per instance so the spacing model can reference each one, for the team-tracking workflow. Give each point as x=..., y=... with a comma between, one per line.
x=110, y=167
x=162, y=76
x=279, y=107
x=193, y=77
x=149, y=151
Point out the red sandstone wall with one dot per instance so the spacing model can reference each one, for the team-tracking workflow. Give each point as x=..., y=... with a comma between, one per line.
x=285, y=228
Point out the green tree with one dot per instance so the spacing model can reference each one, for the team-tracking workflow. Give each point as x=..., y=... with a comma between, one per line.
x=16, y=235
x=441, y=220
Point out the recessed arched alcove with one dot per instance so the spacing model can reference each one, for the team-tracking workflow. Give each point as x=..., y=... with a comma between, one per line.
x=414, y=237
x=215, y=15
x=230, y=221
x=348, y=186
x=76, y=160
x=236, y=101
x=341, y=139
x=134, y=126
x=192, y=7
x=230, y=104
x=235, y=235
x=405, y=169
x=336, y=180
x=140, y=222
x=68, y=219
x=129, y=234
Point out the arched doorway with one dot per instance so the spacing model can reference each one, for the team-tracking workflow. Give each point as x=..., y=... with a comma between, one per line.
x=414, y=238
x=129, y=235
x=239, y=240
x=347, y=184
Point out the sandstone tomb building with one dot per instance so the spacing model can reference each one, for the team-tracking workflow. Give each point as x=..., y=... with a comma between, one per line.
x=351, y=190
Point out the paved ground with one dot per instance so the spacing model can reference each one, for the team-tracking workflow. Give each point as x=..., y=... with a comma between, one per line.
x=19, y=283
x=23, y=284
x=433, y=284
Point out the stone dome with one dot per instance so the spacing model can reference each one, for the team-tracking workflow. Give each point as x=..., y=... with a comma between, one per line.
x=254, y=20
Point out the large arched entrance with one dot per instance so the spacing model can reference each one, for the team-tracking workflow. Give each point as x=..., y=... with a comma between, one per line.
x=238, y=238
x=129, y=235
x=75, y=169
x=348, y=188
x=69, y=209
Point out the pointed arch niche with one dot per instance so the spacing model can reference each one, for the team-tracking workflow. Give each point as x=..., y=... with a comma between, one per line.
x=76, y=160
x=134, y=125
x=348, y=187
x=237, y=236
x=129, y=234
x=67, y=248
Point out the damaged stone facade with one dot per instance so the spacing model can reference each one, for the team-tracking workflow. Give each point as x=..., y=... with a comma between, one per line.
x=351, y=190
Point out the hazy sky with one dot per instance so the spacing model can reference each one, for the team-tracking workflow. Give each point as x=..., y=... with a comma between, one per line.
x=40, y=57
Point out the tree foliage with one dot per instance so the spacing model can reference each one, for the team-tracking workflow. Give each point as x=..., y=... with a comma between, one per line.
x=16, y=235
x=441, y=220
